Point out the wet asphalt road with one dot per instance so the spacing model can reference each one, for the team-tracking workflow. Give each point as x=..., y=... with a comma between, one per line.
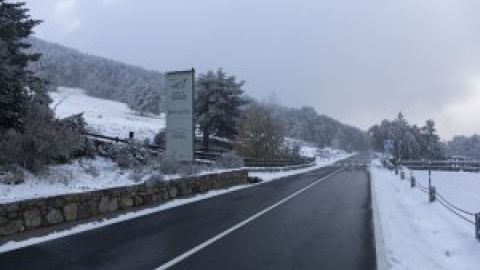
x=326, y=226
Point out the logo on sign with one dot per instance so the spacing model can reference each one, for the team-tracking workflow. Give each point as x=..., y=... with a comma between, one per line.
x=178, y=89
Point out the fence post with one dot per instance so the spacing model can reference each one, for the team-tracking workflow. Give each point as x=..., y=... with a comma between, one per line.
x=412, y=182
x=396, y=169
x=402, y=174
x=432, y=194
x=477, y=226
x=131, y=134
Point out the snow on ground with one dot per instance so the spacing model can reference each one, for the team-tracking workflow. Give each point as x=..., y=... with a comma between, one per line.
x=81, y=175
x=417, y=234
x=266, y=177
x=460, y=188
x=106, y=117
x=320, y=162
x=100, y=173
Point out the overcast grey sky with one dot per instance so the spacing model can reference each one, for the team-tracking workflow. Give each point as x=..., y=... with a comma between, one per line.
x=357, y=61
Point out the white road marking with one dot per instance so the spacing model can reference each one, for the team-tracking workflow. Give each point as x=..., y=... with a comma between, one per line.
x=221, y=235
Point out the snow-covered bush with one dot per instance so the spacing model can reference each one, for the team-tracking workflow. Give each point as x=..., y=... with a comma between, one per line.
x=11, y=175
x=170, y=167
x=42, y=141
x=131, y=155
x=229, y=160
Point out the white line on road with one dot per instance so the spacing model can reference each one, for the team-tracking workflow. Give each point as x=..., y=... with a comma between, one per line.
x=221, y=235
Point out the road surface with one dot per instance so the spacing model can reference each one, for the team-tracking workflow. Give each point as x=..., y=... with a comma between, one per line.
x=317, y=220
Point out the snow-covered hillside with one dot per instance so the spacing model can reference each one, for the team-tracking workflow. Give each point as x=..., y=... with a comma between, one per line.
x=422, y=235
x=105, y=117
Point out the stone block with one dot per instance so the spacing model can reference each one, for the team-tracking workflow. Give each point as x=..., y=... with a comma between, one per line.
x=32, y=218
x=11, y=227
x=70, y=211
x=138, y=201
x=126, y=201
x=87, y=209
x=104, y=204
x=3, y=220
x=172, y=191
x=54, y=216
x=113, y=205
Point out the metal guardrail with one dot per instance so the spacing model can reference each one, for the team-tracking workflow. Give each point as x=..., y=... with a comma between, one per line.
x=442, y=165
x=277, y=162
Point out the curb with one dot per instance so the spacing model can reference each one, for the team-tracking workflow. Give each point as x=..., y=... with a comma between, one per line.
x=377, y=227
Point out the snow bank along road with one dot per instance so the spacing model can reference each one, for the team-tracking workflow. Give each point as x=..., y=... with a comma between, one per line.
x=317, y=220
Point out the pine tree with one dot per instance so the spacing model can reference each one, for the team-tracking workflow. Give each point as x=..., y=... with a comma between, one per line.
x=18, y=86
x=218, y=103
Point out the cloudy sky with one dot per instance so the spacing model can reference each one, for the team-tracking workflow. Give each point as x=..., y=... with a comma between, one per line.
x=357, y=61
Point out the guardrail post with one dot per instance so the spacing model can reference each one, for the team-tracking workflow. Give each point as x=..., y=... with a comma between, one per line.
x=477, y=226
x=432, y=194
x=402, y=174
x=396, y=169
x=412, y=182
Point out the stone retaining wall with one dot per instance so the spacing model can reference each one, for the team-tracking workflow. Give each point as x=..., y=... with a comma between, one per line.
x=33, y=214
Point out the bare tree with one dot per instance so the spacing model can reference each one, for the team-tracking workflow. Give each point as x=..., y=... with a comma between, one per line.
x=260, y=134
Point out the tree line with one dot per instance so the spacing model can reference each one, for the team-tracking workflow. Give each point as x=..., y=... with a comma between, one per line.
x=141, y=89
x=410, y=141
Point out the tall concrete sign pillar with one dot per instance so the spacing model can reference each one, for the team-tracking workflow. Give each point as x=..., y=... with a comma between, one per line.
x=180, y=130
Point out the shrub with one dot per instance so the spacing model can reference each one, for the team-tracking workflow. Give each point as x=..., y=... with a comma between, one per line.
x=170, y=166
x=229, y=160
x=159, y=138
x=42, y=141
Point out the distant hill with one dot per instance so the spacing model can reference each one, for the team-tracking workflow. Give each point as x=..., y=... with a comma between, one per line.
x=308, y=125
x=141, y=89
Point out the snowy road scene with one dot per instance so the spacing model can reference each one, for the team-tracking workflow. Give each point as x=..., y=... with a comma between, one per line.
x=203, y=135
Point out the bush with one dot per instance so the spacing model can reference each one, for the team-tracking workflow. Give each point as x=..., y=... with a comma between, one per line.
x=11, y=175
x=159, y=138
x=42, y=141
x=131, y=155
x=169, y=167
x=154, y=178
x=229, y=160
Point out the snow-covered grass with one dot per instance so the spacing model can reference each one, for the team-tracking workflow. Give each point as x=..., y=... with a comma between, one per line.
x=100, y=173
x=106, y=117
x=266, y=177
x=417, y=234
x=79, y=176
x=460, y=188
x=320, y=162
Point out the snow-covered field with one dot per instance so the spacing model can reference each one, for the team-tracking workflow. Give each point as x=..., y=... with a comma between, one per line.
x=417, y=234
x=105, y=117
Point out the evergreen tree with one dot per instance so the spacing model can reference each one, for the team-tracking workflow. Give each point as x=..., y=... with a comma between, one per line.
x=218, y=102
x=18, y=86
x=411, y=142
x=435, y=148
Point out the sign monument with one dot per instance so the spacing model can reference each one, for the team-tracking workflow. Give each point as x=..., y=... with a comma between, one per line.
x=180, y=128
